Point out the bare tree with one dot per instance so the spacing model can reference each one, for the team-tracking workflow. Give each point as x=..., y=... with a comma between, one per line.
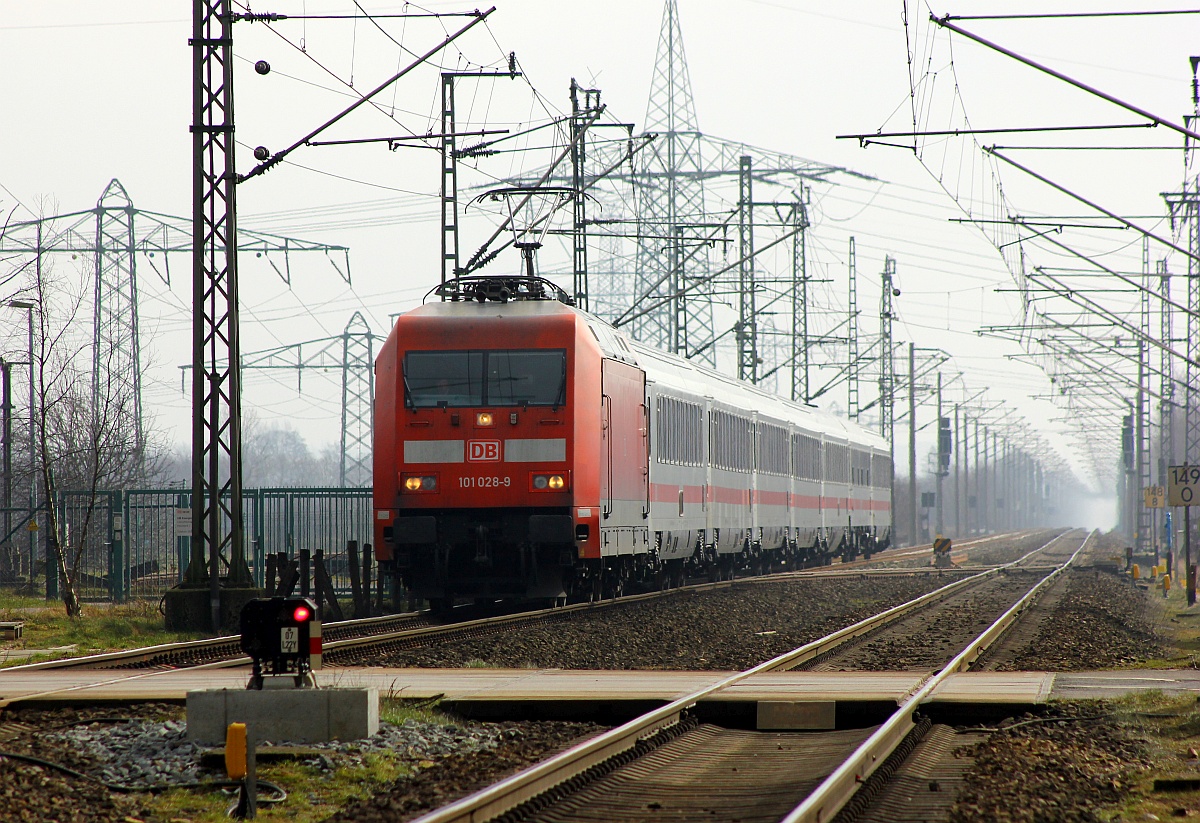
x=83, y=440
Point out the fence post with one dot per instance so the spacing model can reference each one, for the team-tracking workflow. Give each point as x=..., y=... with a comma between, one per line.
x=259, y=543
x=183, y=536
x=116, y=533
x=356, y=590
x=366, y=576
x=114, y=570
x=304, y=570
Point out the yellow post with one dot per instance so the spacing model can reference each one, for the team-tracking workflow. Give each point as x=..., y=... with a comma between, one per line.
x=1166, y=584
x=1137, y=572
x=235, y=751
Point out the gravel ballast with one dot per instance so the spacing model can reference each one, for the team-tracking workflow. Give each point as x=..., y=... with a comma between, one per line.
x=1064, y=769
x=1102, y=622
x=723, y=630
x=1063, y=764
x=147, y=753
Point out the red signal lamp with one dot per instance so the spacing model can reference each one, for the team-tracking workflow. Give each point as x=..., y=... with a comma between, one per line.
x=282, y=636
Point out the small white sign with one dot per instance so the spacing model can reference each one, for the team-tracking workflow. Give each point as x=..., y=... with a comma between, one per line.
x=118, y=523
x=289, y=640
x=183, y=522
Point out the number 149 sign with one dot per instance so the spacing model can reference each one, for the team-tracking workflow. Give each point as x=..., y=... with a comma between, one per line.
x=1183, y=486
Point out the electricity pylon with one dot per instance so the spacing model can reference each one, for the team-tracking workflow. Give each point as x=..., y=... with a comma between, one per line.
x=682, y=214
x=118, y=236
x=353, y=354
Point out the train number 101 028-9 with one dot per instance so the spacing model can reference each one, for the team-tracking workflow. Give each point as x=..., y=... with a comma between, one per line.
x=1183, y=486
x=484, y=482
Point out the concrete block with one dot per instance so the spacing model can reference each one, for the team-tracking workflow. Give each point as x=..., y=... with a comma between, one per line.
x=291, y=715
x=779, y=715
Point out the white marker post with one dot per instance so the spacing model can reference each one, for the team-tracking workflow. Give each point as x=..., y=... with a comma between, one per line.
x=1183, y=489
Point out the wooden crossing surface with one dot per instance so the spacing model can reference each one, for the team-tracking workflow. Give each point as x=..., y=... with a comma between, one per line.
x=559, y=684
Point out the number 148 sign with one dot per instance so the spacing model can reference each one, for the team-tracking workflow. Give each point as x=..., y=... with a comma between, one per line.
x=1183, y=486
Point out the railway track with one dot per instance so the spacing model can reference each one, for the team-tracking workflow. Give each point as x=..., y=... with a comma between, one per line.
x=664, y=763
x=351, y=641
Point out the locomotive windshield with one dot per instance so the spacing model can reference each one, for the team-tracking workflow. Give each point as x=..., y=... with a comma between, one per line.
x=494, y=377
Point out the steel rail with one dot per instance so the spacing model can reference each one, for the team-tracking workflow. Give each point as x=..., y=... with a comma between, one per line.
x=185, y=647
x=837, y=789
x=528, y=784
x=494, y=623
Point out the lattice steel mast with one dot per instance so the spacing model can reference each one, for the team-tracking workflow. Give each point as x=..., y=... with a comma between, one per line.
x=580, y=116
x=887, y=376
x=1166, y=450
x=1144, y=520
x=1191, y=193
x=801, y=386
x=852, y=337
x=216, y=381
x=448, y=142
x=670, y=193
x=747, y=328
x=116, y=351
x=358, y=402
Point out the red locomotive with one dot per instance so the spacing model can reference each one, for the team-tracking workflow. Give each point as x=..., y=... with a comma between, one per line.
x=526, y=449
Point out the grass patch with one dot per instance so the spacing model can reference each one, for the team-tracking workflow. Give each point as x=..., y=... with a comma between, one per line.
x=1179, y=626
x=103, y=627
x=396, y=711
x=313, y=794
x=1169, y=726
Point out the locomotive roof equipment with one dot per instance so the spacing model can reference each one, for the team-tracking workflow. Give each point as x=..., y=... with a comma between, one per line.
x=486, y=287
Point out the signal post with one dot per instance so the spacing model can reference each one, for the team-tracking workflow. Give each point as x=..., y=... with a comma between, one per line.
x=1155, y=497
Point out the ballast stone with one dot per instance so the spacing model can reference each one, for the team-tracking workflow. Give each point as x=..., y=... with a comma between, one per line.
x=279, y=715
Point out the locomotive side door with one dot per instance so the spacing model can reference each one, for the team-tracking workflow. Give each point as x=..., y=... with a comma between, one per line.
x=624, y=455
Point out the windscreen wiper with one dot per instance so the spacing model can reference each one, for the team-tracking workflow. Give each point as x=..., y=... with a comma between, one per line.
x=561, y=397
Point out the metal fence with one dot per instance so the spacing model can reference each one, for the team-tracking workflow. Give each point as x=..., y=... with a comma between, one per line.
x=137, y=541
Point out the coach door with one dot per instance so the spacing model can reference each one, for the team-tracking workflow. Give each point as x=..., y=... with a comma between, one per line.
x=624, y=473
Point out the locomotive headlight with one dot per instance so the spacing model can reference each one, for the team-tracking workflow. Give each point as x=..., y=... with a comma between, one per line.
x=484, y=419
x=418, y=483
x=548, y=482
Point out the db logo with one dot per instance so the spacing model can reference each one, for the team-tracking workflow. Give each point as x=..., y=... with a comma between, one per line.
x=483, y=451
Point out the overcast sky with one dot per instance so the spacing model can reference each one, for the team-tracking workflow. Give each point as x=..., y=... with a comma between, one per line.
x=91, y=92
